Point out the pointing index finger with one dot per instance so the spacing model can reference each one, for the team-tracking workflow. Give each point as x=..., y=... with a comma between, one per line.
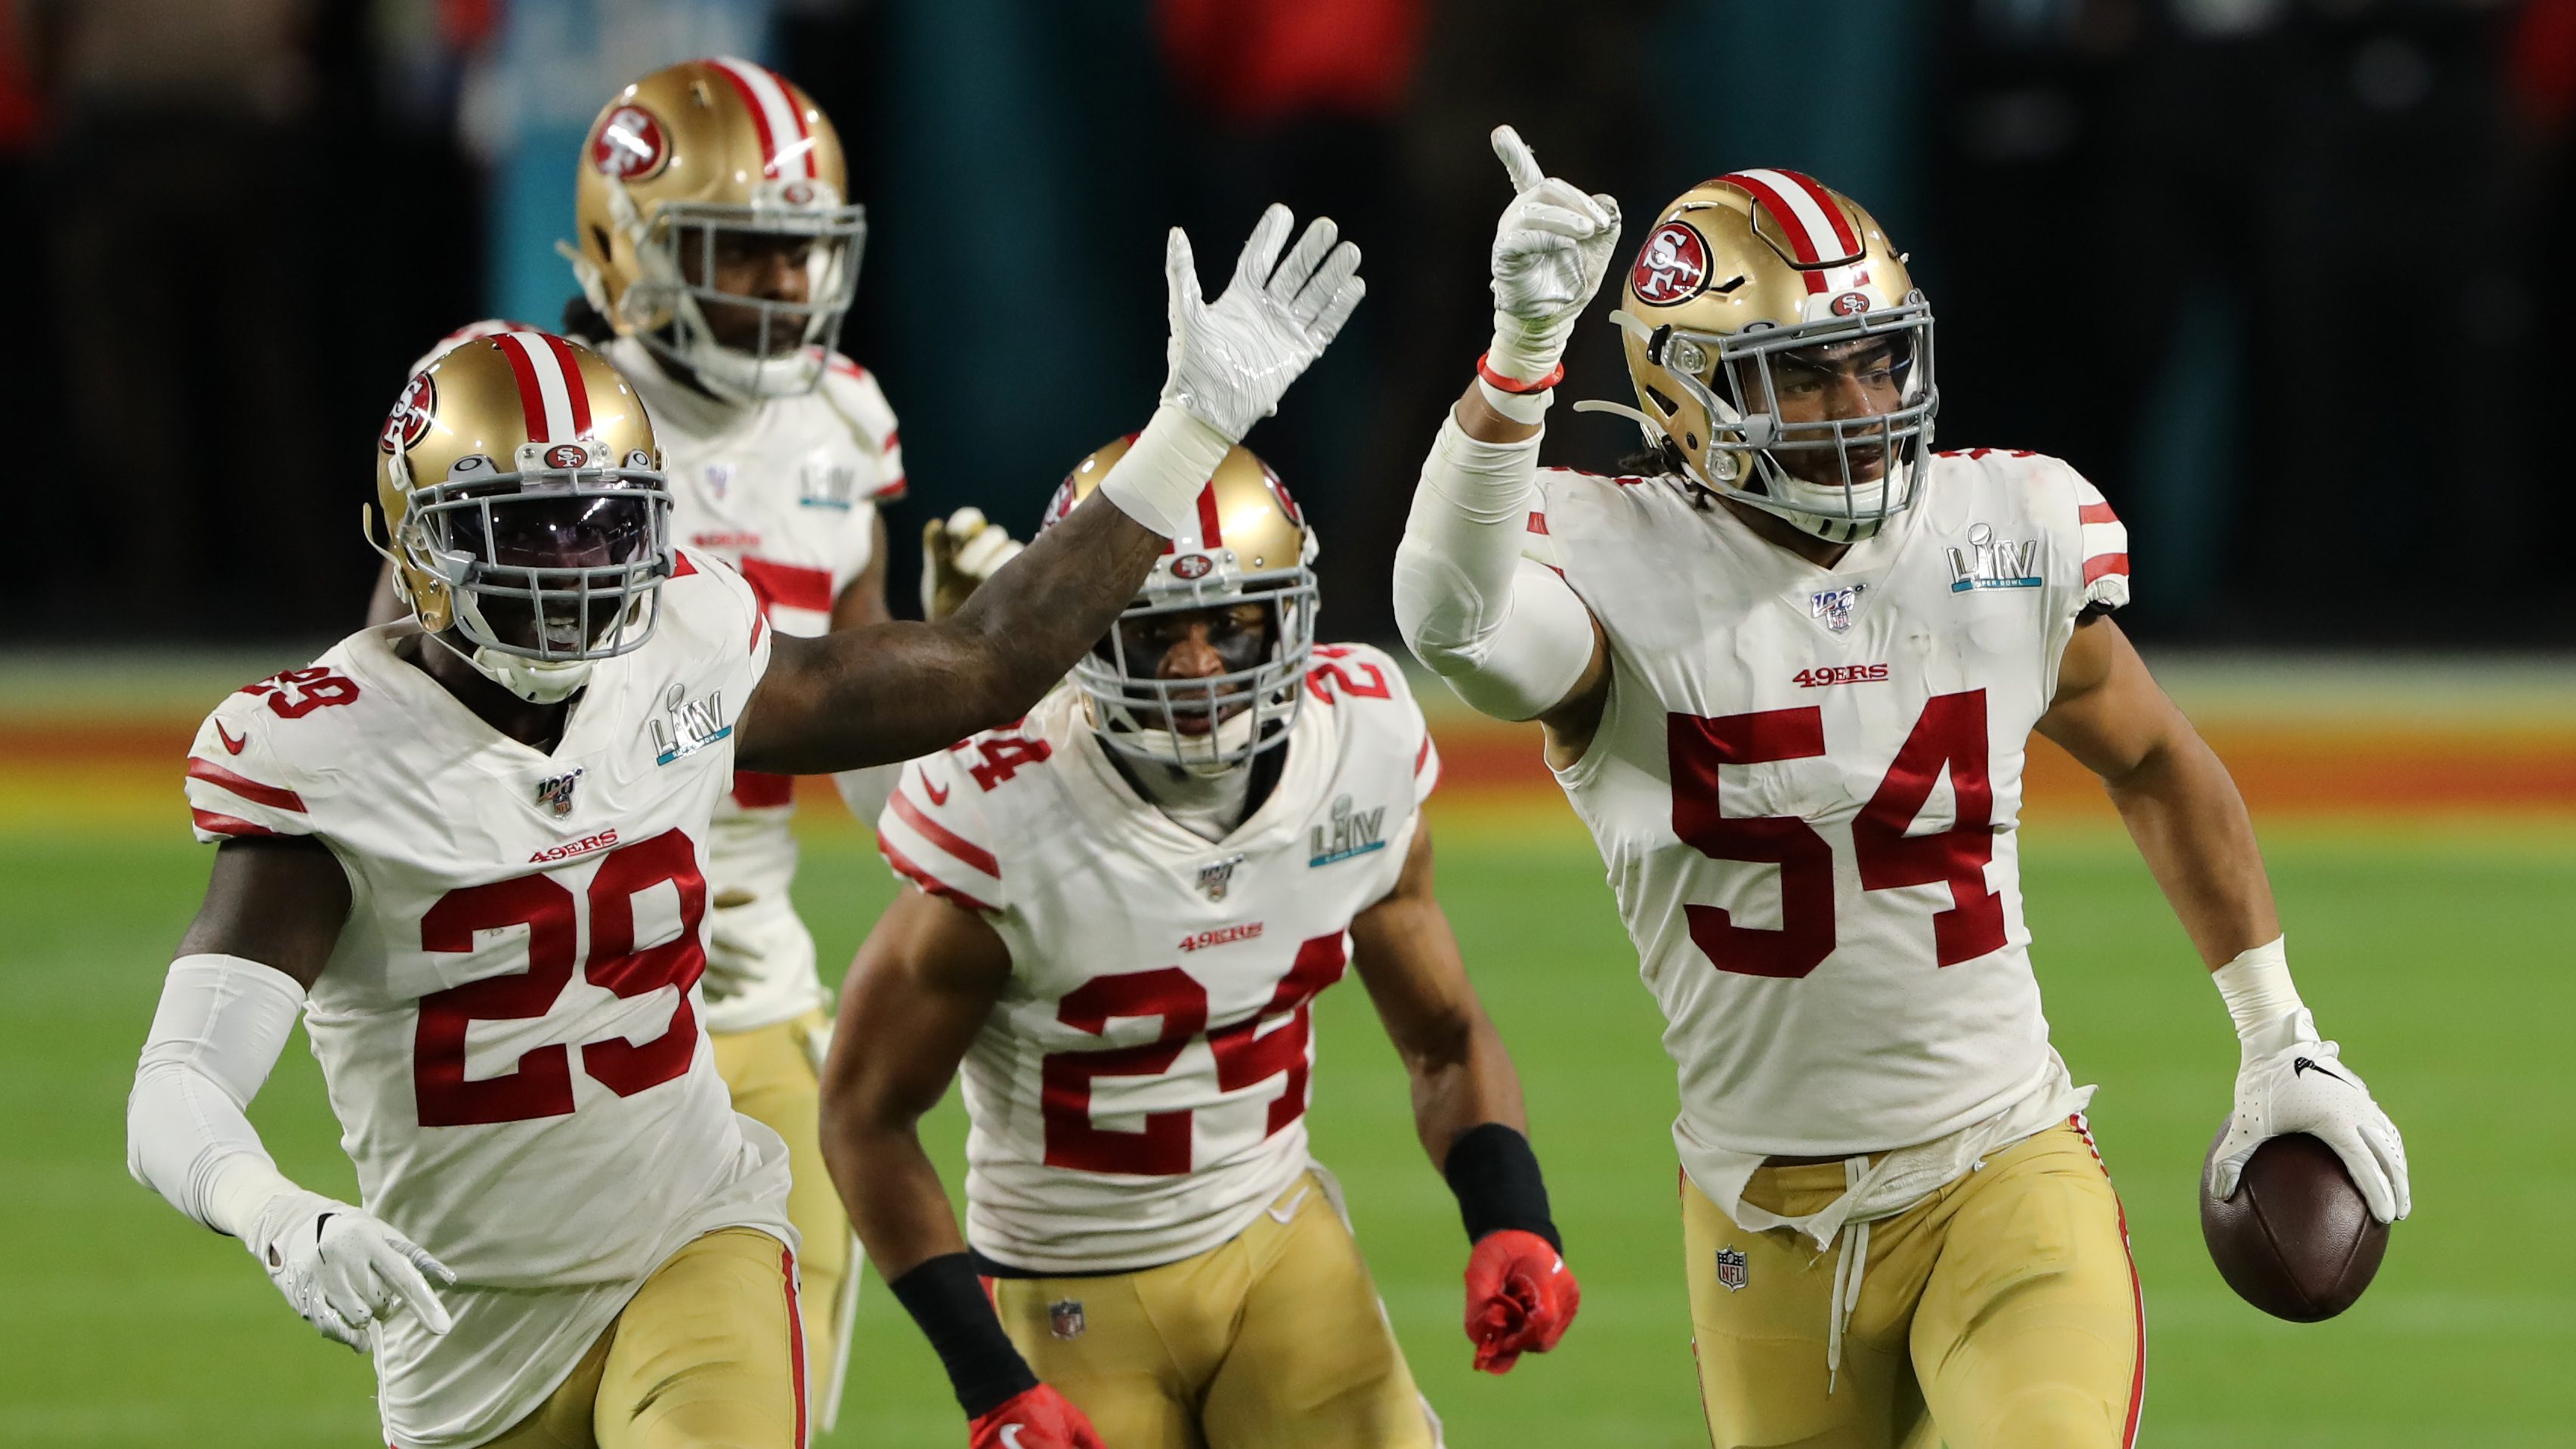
x=1519, y=162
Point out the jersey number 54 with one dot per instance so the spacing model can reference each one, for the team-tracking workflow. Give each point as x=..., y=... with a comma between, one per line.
x=1952, y=732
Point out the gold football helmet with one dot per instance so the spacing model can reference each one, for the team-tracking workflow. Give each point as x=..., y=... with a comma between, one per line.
x=525, y=509
x=687, y=161
x=1753, y=274
x=1251, y=546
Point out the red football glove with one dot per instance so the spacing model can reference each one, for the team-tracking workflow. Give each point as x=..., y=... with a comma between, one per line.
x=1038, y=1418
x=1520, y=1298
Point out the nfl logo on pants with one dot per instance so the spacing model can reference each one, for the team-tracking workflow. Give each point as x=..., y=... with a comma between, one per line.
x=1731, y=1270
x=1064, y=1318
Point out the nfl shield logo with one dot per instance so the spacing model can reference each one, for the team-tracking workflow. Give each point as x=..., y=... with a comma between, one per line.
x=1730, y=1269
x=1833, y=607
x=1064, y=1318
x=556, y=794
x=1214, y=879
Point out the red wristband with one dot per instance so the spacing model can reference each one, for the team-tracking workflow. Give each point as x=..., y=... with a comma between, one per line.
x=1485, y=370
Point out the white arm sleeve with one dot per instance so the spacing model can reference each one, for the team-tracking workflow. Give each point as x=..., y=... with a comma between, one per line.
x=221, y=1024
x=1508, y=633
x=866, y=790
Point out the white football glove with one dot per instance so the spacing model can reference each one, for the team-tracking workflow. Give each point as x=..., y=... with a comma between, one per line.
x=2304, y=1087
x=343, y=1269
x=1551, y=250
x=957, y=554
x=2288, y=1081
x=1232, y=359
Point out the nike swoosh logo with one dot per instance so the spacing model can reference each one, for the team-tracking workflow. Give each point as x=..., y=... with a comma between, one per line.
x=1010, y=1436
x=1282, y=1215
x=231, y=744
x=2301, y=1066
x=937, y=794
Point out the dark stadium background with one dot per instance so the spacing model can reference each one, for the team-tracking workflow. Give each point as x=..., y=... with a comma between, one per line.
x=2278, y=274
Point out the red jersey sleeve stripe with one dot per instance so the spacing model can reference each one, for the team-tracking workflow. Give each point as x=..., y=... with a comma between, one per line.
x=2105, y=563
x=891, y=488
x=967, y=852
x=681, y=568
x=214, y=824
x=2095, y=513
x=1422, y=757
x=244, y=786
x=1537, y=522
x=793, y=585
x=904, y=866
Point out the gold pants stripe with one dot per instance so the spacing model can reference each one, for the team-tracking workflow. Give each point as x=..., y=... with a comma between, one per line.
x=1272, y=1340
x=705, y=1356
x=771, y=1074
x=2001, y=1312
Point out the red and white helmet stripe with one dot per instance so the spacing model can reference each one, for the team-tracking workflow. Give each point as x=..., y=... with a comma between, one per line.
x=1817, y=230
x=786, y=146
x=553, y=400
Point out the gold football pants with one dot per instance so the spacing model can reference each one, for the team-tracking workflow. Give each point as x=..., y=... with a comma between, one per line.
x=1272, y=1340
x=704, y=1355
x=2001, y=1312
x=771, y=1072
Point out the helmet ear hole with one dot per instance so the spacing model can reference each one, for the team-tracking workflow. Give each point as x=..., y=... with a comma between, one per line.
x=1669, y=407
x=1691, y=441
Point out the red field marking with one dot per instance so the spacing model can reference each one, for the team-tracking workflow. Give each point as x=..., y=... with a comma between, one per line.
x=2283, y=770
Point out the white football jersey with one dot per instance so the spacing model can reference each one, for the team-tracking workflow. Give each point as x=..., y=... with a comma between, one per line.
x=1807, y=788
x=787, y=492
x=509, y=1026
x=1140, y=1091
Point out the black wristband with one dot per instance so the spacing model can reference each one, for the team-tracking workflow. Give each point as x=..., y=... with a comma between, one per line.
x=1496, y=1178
x=943, y=1296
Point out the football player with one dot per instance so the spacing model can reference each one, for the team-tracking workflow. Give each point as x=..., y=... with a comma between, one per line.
x=1787, y=671
x=718, y=254
x=471, y=851
x=1122, y=910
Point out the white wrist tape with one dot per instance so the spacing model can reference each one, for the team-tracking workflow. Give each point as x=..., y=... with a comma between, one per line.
x=1157, y=481
x=2262, y=1000
x=1508, y=633
x=221, y=1024
x=1520, y=407
x=1523, y=350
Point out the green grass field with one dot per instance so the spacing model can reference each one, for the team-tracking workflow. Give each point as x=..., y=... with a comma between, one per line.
x=2439, y=955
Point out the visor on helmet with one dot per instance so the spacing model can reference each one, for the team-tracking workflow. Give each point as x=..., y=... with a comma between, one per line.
x=549, y=564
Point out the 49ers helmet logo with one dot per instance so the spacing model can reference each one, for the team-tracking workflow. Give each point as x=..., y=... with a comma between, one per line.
x=631, y=145
x=1671, y=267
x=1851, y=304
x=1193, y=566
x=409, y=422
x=566, y=455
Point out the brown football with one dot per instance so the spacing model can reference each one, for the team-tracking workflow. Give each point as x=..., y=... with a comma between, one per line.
x=2296, y=1240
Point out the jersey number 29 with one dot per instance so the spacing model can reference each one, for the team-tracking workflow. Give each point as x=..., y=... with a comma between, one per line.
x=541, y=1084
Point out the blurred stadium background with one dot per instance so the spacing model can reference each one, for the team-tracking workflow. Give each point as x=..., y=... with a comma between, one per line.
x=2276, y=273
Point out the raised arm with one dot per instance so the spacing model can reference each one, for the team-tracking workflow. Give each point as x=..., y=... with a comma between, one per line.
x=899, y=690
x=1467, y=1107
x=2192, y=827
x=1506, y=632
x=922, y=985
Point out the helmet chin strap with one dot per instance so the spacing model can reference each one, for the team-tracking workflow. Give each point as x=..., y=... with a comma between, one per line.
x=538, y=681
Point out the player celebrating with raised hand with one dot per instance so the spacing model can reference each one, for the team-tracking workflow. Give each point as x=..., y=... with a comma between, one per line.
x=1125, y=905
x=471, y=851
x=1787, y=680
